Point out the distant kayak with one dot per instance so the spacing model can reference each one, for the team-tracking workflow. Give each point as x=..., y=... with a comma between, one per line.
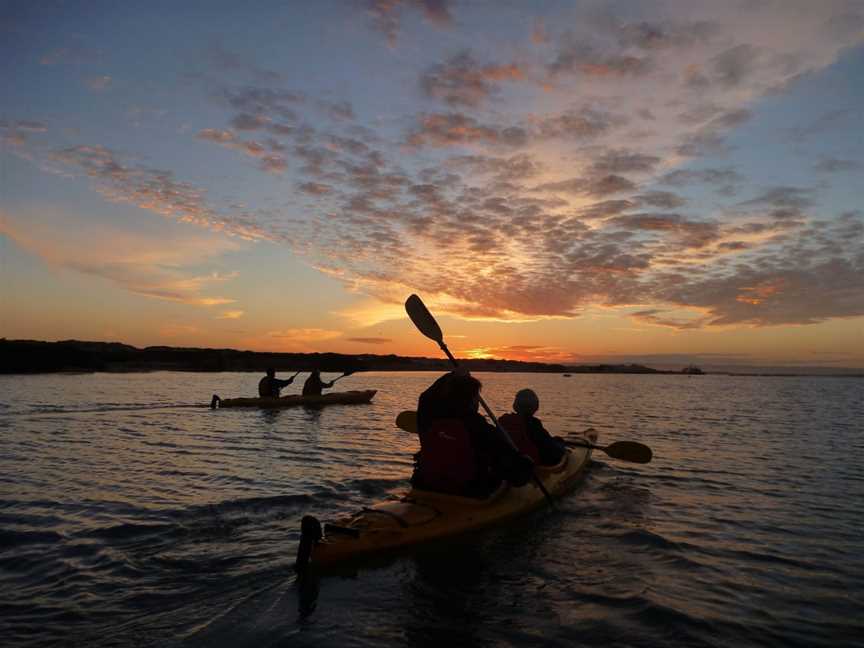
x=294, y=400
x=424, y=516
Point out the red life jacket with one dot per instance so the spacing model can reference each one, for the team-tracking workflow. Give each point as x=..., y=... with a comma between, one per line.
x=448, y=461
x=515, y=426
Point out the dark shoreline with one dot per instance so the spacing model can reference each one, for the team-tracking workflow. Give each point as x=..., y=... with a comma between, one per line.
x=74, y=356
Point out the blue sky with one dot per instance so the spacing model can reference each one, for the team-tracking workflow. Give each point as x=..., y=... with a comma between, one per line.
x=560, y=181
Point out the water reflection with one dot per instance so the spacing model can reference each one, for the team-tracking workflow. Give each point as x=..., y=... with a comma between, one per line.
x=312, y=415
x=308, y=587
x=188, y=512
x=446, y=596
x=270, y=416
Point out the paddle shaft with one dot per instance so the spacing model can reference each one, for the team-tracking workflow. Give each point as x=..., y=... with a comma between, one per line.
x=577, y=444
x=624, y=450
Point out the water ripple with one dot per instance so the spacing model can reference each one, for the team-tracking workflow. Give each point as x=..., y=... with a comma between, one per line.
x=130, y=516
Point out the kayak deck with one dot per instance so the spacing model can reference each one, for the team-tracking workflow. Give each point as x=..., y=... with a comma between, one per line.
x=294, y=400
x=423, y=516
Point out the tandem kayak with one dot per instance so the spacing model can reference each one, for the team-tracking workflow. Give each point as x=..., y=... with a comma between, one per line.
x=424, y=516
x=293, y=400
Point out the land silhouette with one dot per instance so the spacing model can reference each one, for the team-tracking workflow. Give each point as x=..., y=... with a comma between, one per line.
x=33, y=356
x=67, y=356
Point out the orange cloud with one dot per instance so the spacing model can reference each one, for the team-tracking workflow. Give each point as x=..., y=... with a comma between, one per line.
x=305, y=334
x=758, y=294
x=150, y=266
x=522, y=352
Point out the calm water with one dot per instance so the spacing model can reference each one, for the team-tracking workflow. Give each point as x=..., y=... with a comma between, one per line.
x=130, y=514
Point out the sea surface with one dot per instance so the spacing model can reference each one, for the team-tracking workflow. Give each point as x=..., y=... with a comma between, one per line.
x=133, y=515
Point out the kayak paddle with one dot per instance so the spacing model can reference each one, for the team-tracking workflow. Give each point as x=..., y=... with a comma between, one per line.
x=623, y=450
x=407, y=421
x=427, y=325
x=344, y=374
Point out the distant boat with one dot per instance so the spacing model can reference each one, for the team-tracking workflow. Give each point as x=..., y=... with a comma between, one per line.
x=693, y=370
x=567, y=375
x=292, y=400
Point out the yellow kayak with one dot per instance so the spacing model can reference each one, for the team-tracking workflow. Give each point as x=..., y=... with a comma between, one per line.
x=294, y=400
x=424, y=516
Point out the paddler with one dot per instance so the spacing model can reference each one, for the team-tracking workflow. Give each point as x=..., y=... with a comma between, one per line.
x=270, y=386
x=460, y=452
x=314, y=384
x=528, y=433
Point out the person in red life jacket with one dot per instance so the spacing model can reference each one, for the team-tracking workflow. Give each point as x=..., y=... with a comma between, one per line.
x=314, y=384
x=270, y=386
x=460, y=452
x=528, y=433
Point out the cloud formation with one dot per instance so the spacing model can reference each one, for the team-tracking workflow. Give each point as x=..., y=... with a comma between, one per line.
x=305, y=334
x=155, y=190
x=456, y=129
x=138, y=263
x=462, y=81
x=387, y=15
x=538, y=181
x=268, y=152
x=836, y=165
x=564, y=207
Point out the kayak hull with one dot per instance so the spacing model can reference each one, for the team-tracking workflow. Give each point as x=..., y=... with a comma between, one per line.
x=423, y=516
x=295, y=400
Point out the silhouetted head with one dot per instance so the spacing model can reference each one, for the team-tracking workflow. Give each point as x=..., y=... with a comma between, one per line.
x=526, y=402
x=463, y=394
x=271, y=372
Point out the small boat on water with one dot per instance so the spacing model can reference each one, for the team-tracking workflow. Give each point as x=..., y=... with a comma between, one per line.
x=423, y=516
x=295, y=400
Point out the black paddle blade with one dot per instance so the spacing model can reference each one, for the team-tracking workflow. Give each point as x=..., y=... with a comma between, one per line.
x=629, y=451
x=423, y=319
x=407, y=421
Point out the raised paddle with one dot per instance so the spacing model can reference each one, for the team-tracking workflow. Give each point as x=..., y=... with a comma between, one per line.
x=427, y=325
x=623, y=450
x=347, y=373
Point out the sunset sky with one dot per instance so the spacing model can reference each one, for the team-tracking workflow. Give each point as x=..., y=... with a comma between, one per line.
x=659, y=182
